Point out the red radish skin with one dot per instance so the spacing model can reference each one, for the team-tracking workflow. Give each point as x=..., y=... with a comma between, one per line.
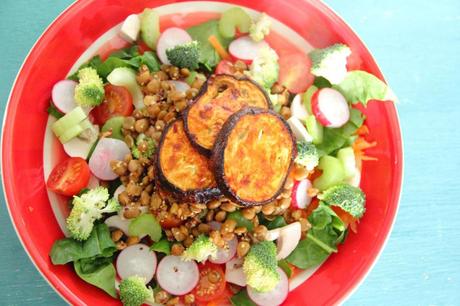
x=245, y=49
x=170, y=38
x=300, y=198
x=272, y=298
x=295, y=71
x=330, y=108
x=176, y=276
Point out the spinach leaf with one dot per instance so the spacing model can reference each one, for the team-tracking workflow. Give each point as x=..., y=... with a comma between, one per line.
x=321, y=82
x=150, y=59
x=240, y=220
x=242, y=299
x=336, y=138
x=99, y=243
x=94, y=62
x=98, y=272
x=201, y=33
x=109, y=64
x=53, y=111
x=322, y=239
x=162, y=246
x=275, y=223
x=283, y=264
x=126, y=53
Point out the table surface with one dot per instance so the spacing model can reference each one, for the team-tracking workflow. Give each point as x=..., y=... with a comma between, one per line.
x=416, y=44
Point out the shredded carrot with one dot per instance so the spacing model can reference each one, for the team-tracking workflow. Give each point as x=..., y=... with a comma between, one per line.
x=218, y=47
x=363, y=130
x=359, y=146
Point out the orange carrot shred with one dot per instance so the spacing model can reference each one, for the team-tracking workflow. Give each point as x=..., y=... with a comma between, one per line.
x=218, y=47
x=363, y=130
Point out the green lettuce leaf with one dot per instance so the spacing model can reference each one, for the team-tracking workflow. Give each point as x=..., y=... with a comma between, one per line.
x=98, y=272
x=242, y=299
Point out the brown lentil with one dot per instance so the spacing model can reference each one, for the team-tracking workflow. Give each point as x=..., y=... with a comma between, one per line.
x=299, y=173
x=188, y=241
x=242, y=249
x=228, y=207
x=132, y=240
x=178, y=234
x=228, y=236
x=220, y=216
x=260, y=232
x=240, y=230
x=123, y=198
x=120, y=245
x=268, y=209
x=213, y=204
x=173, y=302
x=228, y=226
x=304, y=224
x=116, y=235
x=277, y=88
x=189, y=299
x=204, y=228
x=131, y=211
x=161, y=297
x=133, y=189
x=248, y=213
x=141, y=125
x=177, y=249
x=296, y=214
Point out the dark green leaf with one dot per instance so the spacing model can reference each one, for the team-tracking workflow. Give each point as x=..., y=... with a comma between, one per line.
x=162, y=246
x=240, y=220
x=307, y=254
x=100, y=273
x=242, y=299
x=150, y=59
x=93, y=63
x=283, y=264
x=321, y=82
x=275, y=223
x=53, y=111
x=110, y=64
x=126, y=53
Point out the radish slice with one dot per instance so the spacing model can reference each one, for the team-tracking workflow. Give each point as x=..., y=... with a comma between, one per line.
x=274, y=297
x=107, y=149
x=225, y=254
x=116, y=221
x=170, y=38
x=77, y=147
x=137, y=259
x=234, y=272
x=245, y=49
x=299, y=130
x=176, y=276
x=180, y=86
x=63, y=95
x=288, y=240
x=93, y=182
x=330, y=107
x=298, y=110
x=300, y=198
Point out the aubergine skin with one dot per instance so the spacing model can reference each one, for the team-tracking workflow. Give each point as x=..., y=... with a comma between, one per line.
x=198, y=117
x=218, y=157
x=195, y=195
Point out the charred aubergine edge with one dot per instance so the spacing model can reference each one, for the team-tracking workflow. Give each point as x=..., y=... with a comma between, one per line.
x=252, y=156
x=220, y=97
x=181, y=170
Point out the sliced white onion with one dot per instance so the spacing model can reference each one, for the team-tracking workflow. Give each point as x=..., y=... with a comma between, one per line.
x=176, y=276
x=107, y=149
x=180, y=86
x=116, y=221
x=298, y=110
x=234, y=272
x=77, y=147
x=245, y=48
x=272, y=298
x=137, y=259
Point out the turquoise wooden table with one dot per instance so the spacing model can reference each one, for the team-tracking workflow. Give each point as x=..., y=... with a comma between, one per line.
x=417, y=45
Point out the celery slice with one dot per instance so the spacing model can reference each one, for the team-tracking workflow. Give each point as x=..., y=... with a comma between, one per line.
x=70, y=133
x=315, y=129
x=150, y=27
x=333, y=173
x=68, y=121
x=114, y=124
x=145, y=224
x=232, y=18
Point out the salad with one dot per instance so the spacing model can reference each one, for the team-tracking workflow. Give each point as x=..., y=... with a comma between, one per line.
x=205, y=169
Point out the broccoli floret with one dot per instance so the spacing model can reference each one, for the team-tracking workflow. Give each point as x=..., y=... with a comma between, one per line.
x=330, y=62
x=260, y=266
x=184, y=56
x=307, y=155
x=260, y=28
x=200, y=250
x=88, y=208
x=145, y=147
x=264, y=68
x=90, y=89
x=350, y=199
x=133, y=291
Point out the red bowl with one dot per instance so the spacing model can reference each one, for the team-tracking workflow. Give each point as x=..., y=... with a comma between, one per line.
x=72, y=33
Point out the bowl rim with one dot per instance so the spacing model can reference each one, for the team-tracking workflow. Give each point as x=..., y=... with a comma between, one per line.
x=322, y=6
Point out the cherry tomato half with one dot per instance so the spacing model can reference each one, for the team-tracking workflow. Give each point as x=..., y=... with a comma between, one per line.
x=69, y=177
x=211, y=284
x=224, y=67
x=117, y=102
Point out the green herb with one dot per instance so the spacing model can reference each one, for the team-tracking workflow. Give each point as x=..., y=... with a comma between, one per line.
x=321, y=82
x=240, y=220
x=275, y=223
x=208, y=55
x=283, y=264
x=99, y=243
x=162, y=246
x=53, y=111
x=98, y=272
x=242, y=299
x=322, y=239
x=94, y=62
x=361, y=86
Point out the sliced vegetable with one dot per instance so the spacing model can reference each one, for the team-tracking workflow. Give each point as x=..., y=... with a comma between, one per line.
x=274, y=297
x=107, y=150
x=347, y=157
x=234, y=272
x=288, y=239
x=299, y=130
x=245, y=49
x=169, y=39
x=116, y=221
x=137, y=259
x=176, y=276
x=224, y=67
x=69, y=121
x=226, y=253
x=211, y=284
x=250, y=141
x=98, y=272
x=233, y=18
x=114, y=125
x=69, y=177
x=330, y=107
x=333, y=173
x=306, y=98
x=300, y=197
x=130, y=28
x=240, y=220
x=145, y=224
x=78, y=147
x=219, y=48
x=295, y=71
x=126, y=77
x=62, y=95
x=298, y=108
x=315, y=129
x=150, y=27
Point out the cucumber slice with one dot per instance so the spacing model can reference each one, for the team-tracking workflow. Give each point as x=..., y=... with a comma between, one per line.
x=126, y=77
x=191, y=77
x=150, y=27
x=306, y=97
x=333, y=173
x=71, y=119
x=315, y=129
x=114, y=124
x=347, y=157
x=70, y=133
x=232, y=18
